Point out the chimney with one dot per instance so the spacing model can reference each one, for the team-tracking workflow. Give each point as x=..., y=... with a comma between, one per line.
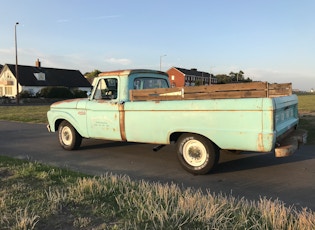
x=37, y=63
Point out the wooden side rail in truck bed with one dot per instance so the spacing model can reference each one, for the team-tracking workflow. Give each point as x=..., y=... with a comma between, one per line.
x=237, y=90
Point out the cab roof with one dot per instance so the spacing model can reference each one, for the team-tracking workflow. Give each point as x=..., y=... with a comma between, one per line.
x=130, y=71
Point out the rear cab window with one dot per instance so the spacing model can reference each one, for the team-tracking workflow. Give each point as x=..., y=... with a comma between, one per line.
x=149, y=83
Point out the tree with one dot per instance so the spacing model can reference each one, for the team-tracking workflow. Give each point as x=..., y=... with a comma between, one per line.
x=223, y=79
x=55, y=92
x=232, y=77
x=93, y=74
x=237, y=77
x=198, y=82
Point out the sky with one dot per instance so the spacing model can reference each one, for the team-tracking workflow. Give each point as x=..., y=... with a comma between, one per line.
x=269, y=40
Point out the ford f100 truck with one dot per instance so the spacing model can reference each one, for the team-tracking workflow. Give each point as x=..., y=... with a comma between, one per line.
x=139, y=106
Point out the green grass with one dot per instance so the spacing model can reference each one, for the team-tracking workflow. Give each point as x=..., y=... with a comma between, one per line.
x=33, y=114
x=36, y=196
x=307, y=122
x=307, y=116
x=307, y=103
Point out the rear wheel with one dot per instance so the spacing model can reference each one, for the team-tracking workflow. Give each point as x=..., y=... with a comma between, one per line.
x=69, y=138
x=197, y=154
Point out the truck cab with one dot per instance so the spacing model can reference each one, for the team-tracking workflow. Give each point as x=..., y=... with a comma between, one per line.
x=116, y=85
x=105, y=112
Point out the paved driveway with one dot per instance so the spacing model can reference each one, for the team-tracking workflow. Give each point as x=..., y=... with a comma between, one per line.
x=253, y=175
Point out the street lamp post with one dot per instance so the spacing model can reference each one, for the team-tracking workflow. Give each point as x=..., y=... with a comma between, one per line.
x=16, y=68
x=161, y=61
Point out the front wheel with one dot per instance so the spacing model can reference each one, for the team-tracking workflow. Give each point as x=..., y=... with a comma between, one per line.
x=69, y=138
x=197, y=154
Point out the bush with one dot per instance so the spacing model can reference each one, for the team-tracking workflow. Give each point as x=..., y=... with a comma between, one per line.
x=55, y=92
x=26, y=94
x=79, y=93
x=5, y=100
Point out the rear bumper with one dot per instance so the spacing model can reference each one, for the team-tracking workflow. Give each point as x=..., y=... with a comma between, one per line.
x=290, y=143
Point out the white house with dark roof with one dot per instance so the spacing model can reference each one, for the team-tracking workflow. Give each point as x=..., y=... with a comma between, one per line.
x=34, y=78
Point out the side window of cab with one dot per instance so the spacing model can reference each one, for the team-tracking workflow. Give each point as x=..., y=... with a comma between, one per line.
x=107, y=89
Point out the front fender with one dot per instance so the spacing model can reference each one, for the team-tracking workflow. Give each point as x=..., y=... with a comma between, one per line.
x=55, y=118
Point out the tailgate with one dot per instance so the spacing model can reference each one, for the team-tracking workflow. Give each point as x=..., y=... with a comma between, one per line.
x=285, y=114
x=286, y=120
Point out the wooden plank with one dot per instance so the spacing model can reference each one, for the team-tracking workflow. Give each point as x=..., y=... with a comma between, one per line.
x=156, y=98
x=226, y=87
x=239, y=90
x=155, y=94
x=226, y=95
x=280, y=89
x=278, y=86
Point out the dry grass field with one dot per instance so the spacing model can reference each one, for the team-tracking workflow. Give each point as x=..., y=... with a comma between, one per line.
x=36, y=196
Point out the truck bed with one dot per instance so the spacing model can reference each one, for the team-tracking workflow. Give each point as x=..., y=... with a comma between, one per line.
x=217, y=91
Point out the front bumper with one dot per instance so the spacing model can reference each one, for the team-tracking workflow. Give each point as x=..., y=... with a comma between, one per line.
x=290, y=143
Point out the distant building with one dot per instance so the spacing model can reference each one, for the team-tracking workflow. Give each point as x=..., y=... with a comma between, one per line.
x=180, y=77
x=34, y=78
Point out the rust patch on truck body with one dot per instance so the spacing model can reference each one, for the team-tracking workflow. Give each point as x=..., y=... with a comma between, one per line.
x=260, y=144
x=65, y=101
x=121, y=109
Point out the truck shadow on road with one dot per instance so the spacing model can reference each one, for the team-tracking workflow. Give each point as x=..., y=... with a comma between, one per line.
x=229, y=162
x=232, y=162
x=99, y=144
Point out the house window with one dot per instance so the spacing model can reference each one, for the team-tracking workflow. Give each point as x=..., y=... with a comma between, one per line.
x=40, y=76
x=8, y=90
x=1, y=91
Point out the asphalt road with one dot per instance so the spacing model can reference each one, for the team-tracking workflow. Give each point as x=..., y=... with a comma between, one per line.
x=249, y=175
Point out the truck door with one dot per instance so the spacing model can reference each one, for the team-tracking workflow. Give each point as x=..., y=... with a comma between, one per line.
x=103, y=111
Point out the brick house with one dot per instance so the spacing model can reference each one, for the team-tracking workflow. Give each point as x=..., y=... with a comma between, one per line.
x=180, y=77
x=34, y=78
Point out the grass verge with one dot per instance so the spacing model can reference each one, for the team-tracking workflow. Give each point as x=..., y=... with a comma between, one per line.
x=32, y=114
x=36, y=196
x=307, y=122
x=307, y=103
x=307, y=116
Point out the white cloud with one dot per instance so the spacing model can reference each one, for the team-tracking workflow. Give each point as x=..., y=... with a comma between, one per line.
x=63, y=20
x=101, y=17
x=120, y=61
x=299, y=80
x=6, y=51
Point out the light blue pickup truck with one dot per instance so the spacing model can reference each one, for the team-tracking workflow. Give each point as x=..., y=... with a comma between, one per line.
x=139, y=106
